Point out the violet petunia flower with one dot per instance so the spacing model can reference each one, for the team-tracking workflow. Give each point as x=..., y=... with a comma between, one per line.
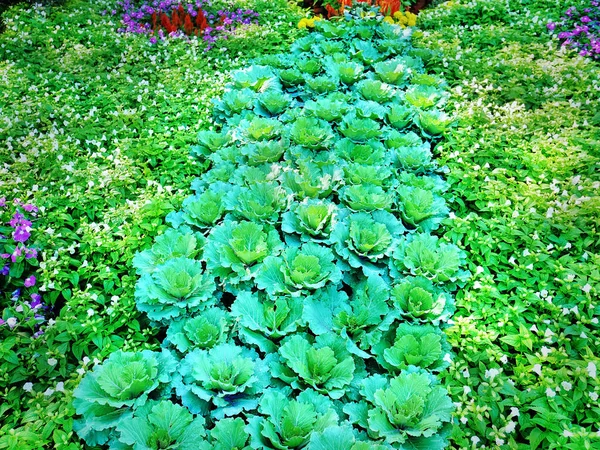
x=5, y=270
x=29, y=281
x=21, y=234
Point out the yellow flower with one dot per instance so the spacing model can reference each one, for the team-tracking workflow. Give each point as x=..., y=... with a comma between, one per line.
x=397, y=15
x=317, y=18
x=412, y=22
x=302, y=24
x=310, y=23
x=403, y=20
x=388, y=19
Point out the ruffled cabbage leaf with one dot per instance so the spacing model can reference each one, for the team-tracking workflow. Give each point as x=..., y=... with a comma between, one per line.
x=286, y=423
x=312, y=219
x=421, y=208
x=203, y=331
x=419, y=300
x=177, y=287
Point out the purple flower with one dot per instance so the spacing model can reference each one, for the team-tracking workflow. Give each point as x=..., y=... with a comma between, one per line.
x=153, y=40
x=29, y=281
x=16, y=254
x=586, y=19
x=5, y=270
x=16, y=294
x=21, y=234
x=36, y=301
x=30, y=208
x=551, y=26
x=2, y=202
x=31, y=253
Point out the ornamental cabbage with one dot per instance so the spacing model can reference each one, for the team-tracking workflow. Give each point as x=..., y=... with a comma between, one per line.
x=291, y=77
x=257, y=78
x=322, y=84
x=171, y=244
x=367, y=197
x=433, y=123
x=227, y=434
x=359, y=130
x=410, y=409
x=369, y=109
x=263, y=320
x=323, y=364
x=376, y=91
x=272, y=102
x=311, y=219
x=205, y=209
x=341, y=438
x=226, y=376
x=262, y=152
x=418, y=299
x=211, y=141
x=424, y=97
x=366, y=52
x=234, y=249
x=311, y=133
x=363, y=239
x=350, y=72
x=289, y=423
x=330, y=108
x=234, y=101
x=260, y=129
x=399, y=116
x=310, y=180
x=360, y=321
x=362, y=174
x=299, y=269
x=308, y=66
x=414, y=159
x=110, y=393
x=258, y=202
x=371, y=152
x=176, y=287
x=162, y=424
x=203, y=331
x=393, y=72
x=422, y=254
x=421, y=208
x=414, y=345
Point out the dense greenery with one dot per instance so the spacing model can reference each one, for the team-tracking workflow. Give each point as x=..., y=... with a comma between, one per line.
x=95, y=129
x=524, y=168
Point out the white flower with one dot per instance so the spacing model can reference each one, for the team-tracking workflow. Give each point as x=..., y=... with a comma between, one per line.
x=545, y=351
x=567, y=433
x=28, y=387
x=52, y=361
x=475, y=440
x=510, y=427
x=566, y=385
x=81, y=371
x=48, y=392
x=85, y=360
x=514, y=412
x=11, y=322
x=491, y=374
x=477, y=285
x=591, y=369
x=537, y=369
x=60, y=387
x=499, y=441
x=550, y=392
x=594, y=396
x=478, y=270
x=587, y=288
x=466, y=373
x=90, y=312
x=463, y=420
x=533, y=328
x=466, y=390
x=504, y=359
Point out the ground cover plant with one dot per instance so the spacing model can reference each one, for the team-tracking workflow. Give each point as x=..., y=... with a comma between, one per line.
x=92, y=123
x=523, y=166
x=300, y=287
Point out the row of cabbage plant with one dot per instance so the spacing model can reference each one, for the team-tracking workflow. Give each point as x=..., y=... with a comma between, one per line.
x=302, y=288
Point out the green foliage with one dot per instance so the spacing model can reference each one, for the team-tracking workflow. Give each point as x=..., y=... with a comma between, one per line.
x=299, y=232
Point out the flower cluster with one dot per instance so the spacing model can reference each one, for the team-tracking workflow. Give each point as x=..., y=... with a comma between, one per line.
x=173, y=18
x=580, y=29
x=308, y=23
x=18, y=261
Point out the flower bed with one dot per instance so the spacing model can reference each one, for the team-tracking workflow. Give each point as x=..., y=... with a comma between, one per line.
x=579, y=29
